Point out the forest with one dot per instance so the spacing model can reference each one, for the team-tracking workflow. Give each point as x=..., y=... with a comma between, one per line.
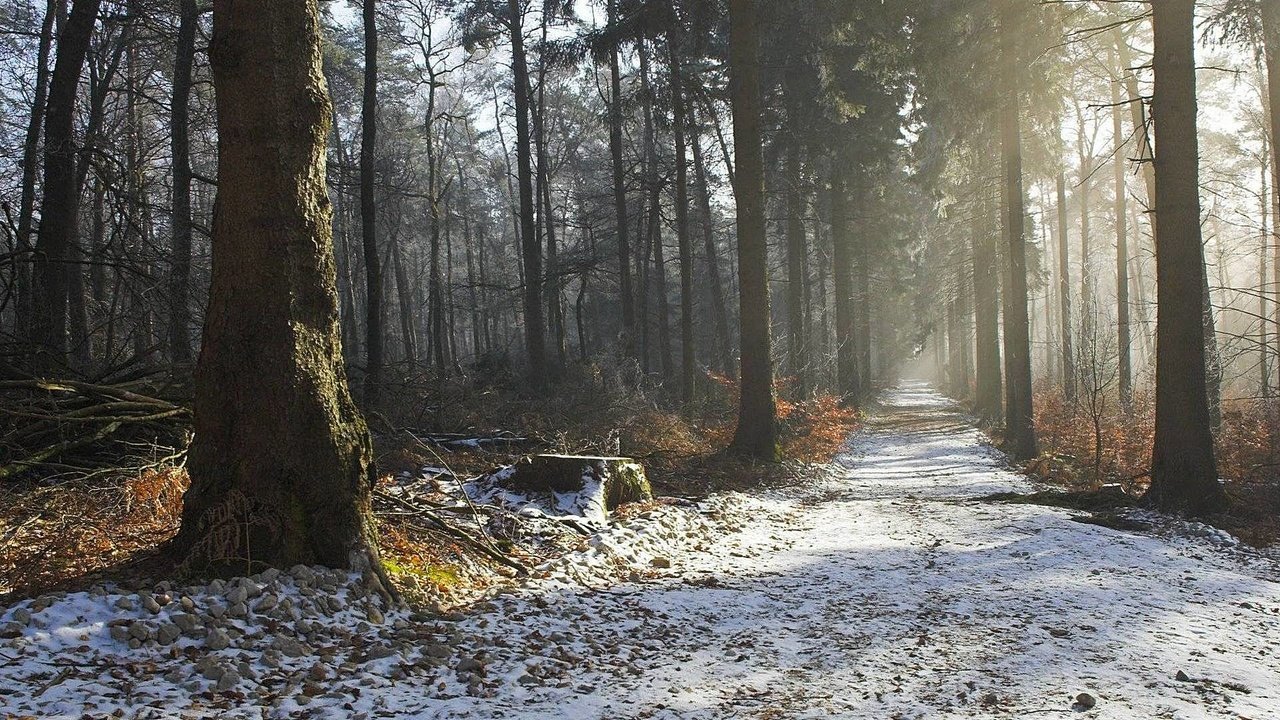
x=639, y=358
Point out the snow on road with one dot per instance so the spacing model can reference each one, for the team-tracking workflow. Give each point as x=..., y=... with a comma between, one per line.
x=889, y=591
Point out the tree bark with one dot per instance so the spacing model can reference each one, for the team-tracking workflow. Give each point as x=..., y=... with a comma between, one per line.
x=797, y=332
x=756, y=434
x=535, y=333
x=375, y=340
x=719, y=313
x=986, y=315
x=30, y=169
x=281, y=465
x=625, y=291
x=1271, y=50
x=653, y=217
x=60, y=207
x=180, y=145
x=1124, y=364
x=1184, y=476
x=688, y=360
x=1264, y=374
x=1019, y=419
x=1064, y=293
x=842, y=279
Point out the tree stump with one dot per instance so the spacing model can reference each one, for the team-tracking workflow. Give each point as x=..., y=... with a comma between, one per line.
x=620, y=480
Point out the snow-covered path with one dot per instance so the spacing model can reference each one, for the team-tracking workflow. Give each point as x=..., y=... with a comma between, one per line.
x=890, y=591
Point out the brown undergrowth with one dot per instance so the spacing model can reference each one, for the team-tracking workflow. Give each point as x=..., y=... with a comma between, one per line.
x=1076, y=457
x=67, y=533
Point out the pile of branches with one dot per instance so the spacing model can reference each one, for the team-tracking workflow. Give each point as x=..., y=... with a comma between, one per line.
x=69, y=429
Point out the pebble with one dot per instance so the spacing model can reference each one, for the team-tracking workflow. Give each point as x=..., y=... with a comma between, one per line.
x=1086, y=701
x=288, y=646
x=217, y=640
x=302, y=574
x=186, y=622
x=139, y=631
x=378, y=652
x=168, y=633
x=229, y=679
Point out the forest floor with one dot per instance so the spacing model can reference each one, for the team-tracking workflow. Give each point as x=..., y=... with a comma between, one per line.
x=892, y=588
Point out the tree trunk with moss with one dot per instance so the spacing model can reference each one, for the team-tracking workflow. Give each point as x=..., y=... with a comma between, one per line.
x=281, y=464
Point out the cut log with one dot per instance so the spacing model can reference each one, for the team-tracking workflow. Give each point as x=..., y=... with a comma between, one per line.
x=619, y=479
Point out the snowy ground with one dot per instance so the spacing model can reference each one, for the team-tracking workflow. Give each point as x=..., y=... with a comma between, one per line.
x=889, y=592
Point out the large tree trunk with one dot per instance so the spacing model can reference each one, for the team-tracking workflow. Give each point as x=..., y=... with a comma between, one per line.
x=180, y=144
x=281, y=465
x=535, y=333
x=375, y=340
x=619, y=189
x=756, y=434
x=1184, y=476
x=1064, y=293
x=60, y=208
x=688, y=361
x=1019, y=421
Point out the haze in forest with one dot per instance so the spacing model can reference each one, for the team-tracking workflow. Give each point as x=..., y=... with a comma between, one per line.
x=441, y=358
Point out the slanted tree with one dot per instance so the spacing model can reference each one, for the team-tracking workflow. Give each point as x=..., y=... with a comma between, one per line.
x=1184, y=475
x=281, y=464
x=756, y=434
